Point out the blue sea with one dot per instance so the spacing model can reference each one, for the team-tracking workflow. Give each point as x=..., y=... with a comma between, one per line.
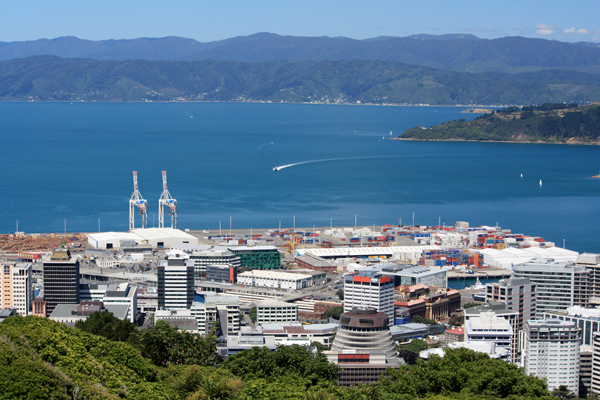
x=73, y=162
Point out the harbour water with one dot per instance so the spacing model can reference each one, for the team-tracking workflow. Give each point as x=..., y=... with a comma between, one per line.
x=73, y=162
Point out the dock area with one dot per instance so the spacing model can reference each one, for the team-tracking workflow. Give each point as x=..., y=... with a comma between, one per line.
x=488, y=273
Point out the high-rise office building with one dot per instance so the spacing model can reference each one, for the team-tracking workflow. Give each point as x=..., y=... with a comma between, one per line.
x=61, y=279
x=16, y=288
x=516, y=294
x=551, y=351
x=175, y=284
x=367, y=289
x=559, y=285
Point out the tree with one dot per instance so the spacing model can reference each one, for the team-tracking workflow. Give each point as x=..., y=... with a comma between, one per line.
x=253, y=314
x=340, y=294
x=164, y=344
x=334, y=312
x=420, y=320
x=105, y=324
x=260, y=362
x=563, y=392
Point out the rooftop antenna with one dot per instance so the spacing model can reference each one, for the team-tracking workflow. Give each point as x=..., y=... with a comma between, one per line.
x=166, y=201
x=137, y=201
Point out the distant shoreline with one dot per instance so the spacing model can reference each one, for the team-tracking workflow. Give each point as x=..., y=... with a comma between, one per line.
x=573, y=142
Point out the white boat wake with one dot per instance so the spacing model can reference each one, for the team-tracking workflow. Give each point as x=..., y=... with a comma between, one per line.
x=280, y=167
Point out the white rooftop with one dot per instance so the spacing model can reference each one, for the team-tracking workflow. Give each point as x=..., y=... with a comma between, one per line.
x=507, y=257
x=275, y=275
x=365, y=251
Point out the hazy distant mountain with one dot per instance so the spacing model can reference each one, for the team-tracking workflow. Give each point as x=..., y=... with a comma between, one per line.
x=50, y=78
x=456, y=52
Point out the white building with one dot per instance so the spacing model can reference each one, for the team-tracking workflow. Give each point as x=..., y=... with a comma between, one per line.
x=175, y=284
x=155, y=237
x=276, y=280
x=16, y=287
x=559, y=285
x=587, y=319
x=290, y=333
x=367, y=289
x=204, y=255
x=221, y=309
x=488, y=327
x=110, y=294
x=517, y=294
x=551, y=351
x=276, y=311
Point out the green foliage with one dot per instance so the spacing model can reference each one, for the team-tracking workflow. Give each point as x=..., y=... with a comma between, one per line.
x=51, y=360
x=420, y=320
x=545, y=123
x=410, y=351
x=105, y=324
x=48, y=78
x=466, y=373
x=164, y=344
x=260, y=362
x=340, y=294
x=253, y=312
x=563, y=392
x=469, y=305
x=334, y=312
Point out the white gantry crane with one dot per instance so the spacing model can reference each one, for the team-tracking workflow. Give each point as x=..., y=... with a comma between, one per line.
x=137, y=201
x=166, y=201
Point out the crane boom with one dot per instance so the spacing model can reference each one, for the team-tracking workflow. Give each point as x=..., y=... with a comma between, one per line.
x=137, y=201
x=166, y=200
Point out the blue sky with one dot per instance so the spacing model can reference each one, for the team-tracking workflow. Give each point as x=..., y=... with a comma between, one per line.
x=215, y=20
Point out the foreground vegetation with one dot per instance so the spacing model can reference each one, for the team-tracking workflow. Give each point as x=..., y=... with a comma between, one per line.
x=42, y=359
x=551, y=123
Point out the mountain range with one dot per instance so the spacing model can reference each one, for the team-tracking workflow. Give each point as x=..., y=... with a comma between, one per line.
x=445, y=69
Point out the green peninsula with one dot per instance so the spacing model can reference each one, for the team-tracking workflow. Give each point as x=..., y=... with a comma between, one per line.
x=547, y=123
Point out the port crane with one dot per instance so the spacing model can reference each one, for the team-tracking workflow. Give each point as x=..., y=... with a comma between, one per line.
x=137, y=201
x=166, y=201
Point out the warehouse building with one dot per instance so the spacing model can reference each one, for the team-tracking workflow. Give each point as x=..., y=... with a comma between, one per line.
x=276, y=280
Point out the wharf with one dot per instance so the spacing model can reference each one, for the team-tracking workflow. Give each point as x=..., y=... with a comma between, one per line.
x=492, y=273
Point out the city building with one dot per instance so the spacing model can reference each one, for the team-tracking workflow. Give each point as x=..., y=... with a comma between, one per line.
x=518, y=294
x=363, y=347
x=154, y=237
x=39, y=307
x=368, y=289
x=551, y=351
x=225, y=273
x=175, y=283
x=317, y=263
x=488, y=327
x=435, y=303
x=69, y=314
x=592, y=263
x=16, y=287
x=410, y=275
x=203, y=256
x=220, y=310
x=61, y=279
x=258, y=257
x=184, y=320
x=275, y=279
x=596, y=362
x=500, y=310
x=587, y=319
x=276, y=311
x=247, y=338
x=559, y=285
x=586, y=361
x=290, y=333
x=112, y=293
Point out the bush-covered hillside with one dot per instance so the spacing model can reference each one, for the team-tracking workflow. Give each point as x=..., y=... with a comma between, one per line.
x=42, y=359
x=552, y=123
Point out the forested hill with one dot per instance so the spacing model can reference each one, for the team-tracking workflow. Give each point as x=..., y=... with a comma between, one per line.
x=551, y=123
x=457, y=52
x=50, y=78
x=43, y=359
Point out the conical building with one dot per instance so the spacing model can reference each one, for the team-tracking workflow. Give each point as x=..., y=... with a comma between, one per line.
x=363, y=347
x=364, y=330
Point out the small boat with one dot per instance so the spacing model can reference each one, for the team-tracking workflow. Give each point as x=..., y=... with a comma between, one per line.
x=540, y=182
x=596, y=176
x=390, y=133
x=521, y=175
